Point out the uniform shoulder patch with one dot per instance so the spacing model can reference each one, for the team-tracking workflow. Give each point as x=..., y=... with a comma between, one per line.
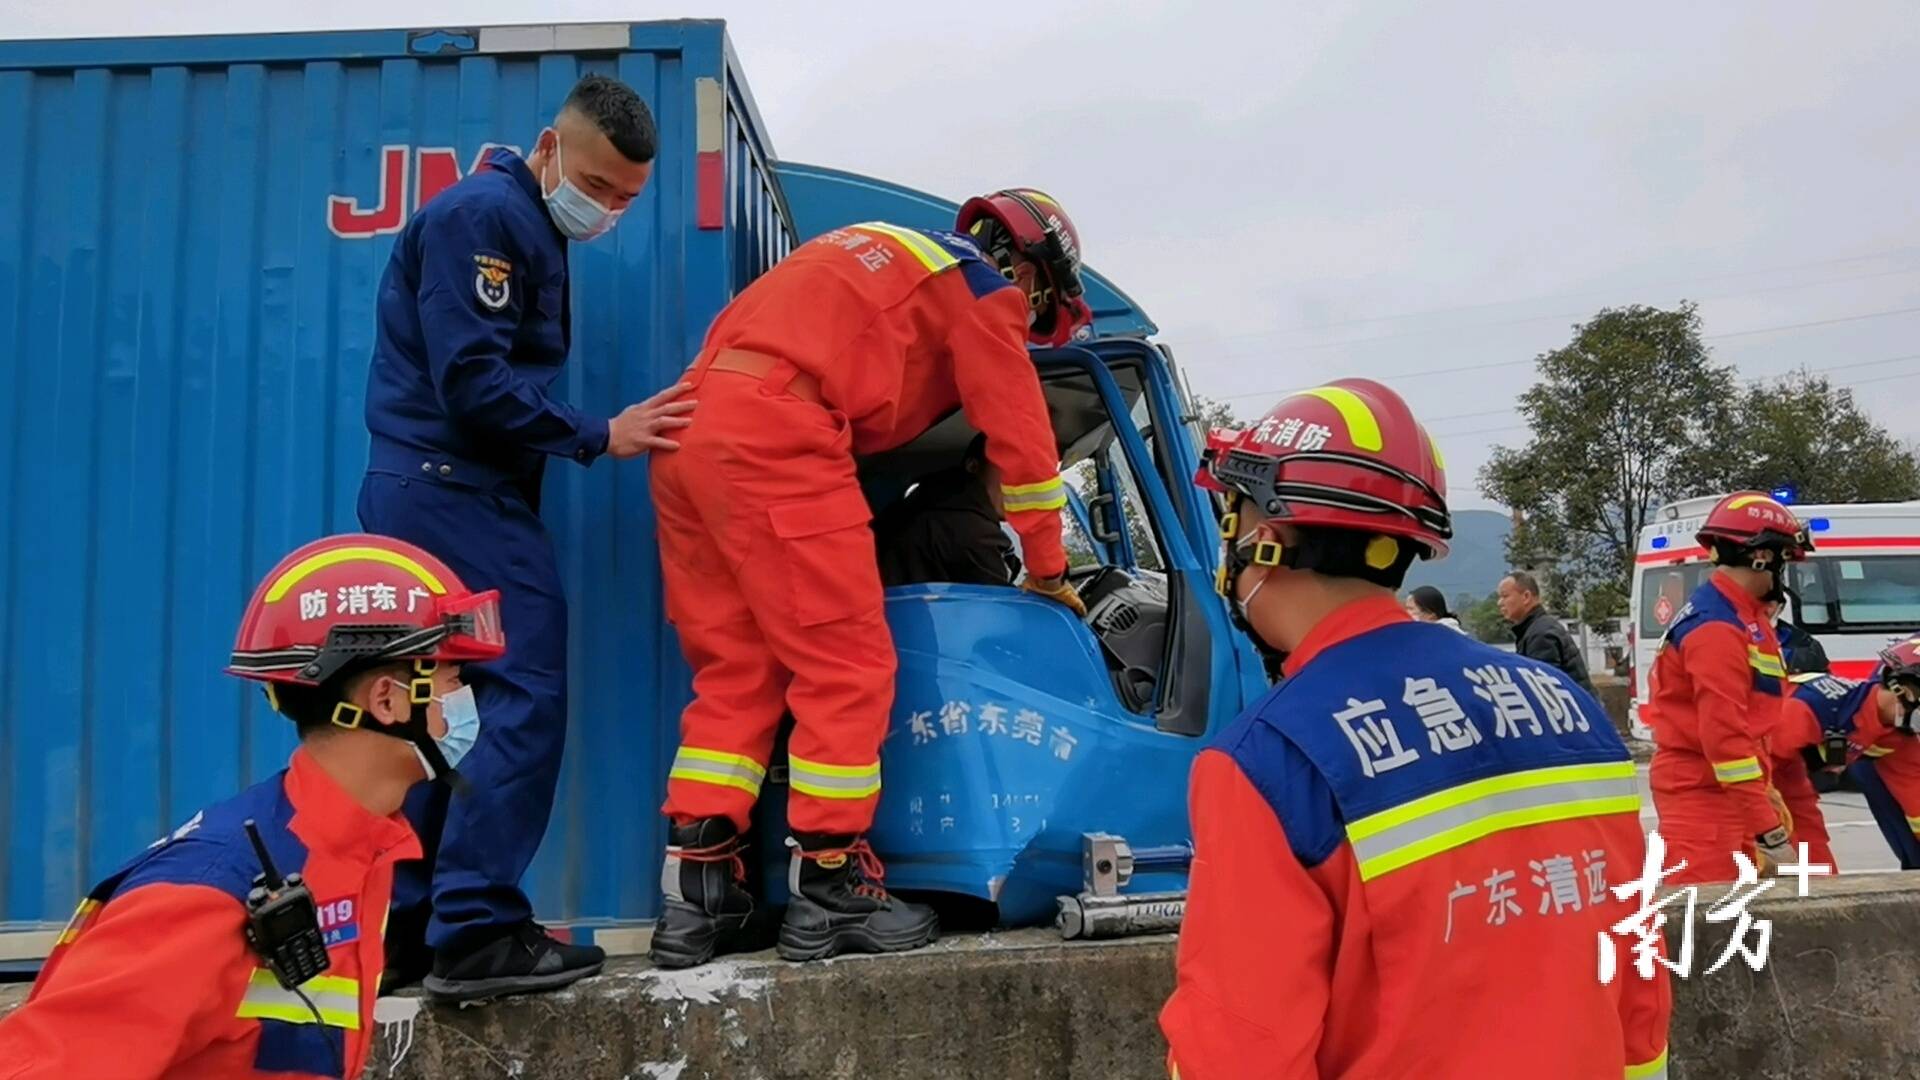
x=490, y=279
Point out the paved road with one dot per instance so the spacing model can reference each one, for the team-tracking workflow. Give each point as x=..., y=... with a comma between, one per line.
x=1857, y=843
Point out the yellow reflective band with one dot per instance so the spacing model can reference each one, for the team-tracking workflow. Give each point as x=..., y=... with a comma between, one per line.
x=301, y=570
x=77, y=922
x=1652, y=1070
x=824, y=781
x=1033, y=502
x=1374, y=824
x=931, y=255
x=721, y=758
x=699, y=766
x=1766, y=663
x=1445, y=820
x=1039, y=197
x=336, y=997
x=833, y=770
x=1877, y=751
x=1735, y=772
x=1054, y=484
x=1914, y=824
x=1749, y=500
x=1362, y=429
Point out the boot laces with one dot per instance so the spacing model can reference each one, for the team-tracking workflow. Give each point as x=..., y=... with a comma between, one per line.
x=728, y=851
x=870, y=874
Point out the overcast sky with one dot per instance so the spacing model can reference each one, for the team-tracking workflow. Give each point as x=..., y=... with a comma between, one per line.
x=1299, y=191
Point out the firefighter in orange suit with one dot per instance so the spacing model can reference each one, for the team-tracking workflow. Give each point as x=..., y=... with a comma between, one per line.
x=173, y=967
x=855, y=344
x=1716, y=692
x=1866, y=728
x=1402, y=854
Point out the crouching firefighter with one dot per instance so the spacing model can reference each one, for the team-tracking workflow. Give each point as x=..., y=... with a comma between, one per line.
x=857, y=343
x=1867, y=729
x=250, y=941
x=1402, y=853
x=1715, y=696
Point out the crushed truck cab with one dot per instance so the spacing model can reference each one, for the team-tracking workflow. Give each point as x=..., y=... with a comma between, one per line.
x=1017, y=728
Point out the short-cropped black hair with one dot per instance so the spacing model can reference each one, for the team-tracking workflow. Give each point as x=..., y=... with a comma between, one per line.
x=619, y=113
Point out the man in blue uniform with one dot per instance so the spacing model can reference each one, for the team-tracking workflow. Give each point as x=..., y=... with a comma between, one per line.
x=473, y=329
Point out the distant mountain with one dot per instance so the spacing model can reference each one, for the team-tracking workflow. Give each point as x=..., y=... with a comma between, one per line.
x=1476, y=559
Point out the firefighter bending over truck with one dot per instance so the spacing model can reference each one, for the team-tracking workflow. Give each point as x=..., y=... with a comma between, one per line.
x=197, y=959
x=856, y=343
x=1716, y=691
x=1402, y=853
x=1866, y=728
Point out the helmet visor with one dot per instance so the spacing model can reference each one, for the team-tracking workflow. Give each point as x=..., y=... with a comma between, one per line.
x=474, y=629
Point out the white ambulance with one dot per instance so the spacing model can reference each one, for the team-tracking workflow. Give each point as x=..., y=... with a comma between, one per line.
x=1860, y=588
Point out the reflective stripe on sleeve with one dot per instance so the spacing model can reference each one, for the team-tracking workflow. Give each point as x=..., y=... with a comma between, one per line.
x=1738, y=771
x=1045, y=495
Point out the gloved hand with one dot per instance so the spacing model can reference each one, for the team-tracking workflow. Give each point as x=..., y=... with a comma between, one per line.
x=1057, y=590
x=1779, y=802
x=1774, y=849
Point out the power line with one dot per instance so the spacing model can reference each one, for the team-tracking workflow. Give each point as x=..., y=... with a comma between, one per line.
x=1816, y=322
x=1840, y=386
x=1497, y=364
x=1542, y=298
x=1430, y=421
x=1429, y=331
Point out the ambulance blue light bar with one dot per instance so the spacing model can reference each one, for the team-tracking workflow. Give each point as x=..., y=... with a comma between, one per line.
x=1659, y=542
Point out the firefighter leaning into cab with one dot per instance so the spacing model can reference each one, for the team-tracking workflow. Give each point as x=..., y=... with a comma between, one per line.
x=857, y=343
x=1866, y=728
x=1715, y=695
x=1402, y=853
x=197, y=959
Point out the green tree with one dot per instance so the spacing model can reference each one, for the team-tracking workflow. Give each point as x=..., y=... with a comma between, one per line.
x=1800, y=430
x=1483, y=620
x=1628, y=415
x=1214, y=414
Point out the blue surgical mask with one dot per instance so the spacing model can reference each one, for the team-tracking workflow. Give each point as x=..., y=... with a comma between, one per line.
x=462, y=718
x=574, y=212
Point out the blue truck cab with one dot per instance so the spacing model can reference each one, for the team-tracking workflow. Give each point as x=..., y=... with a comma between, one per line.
x=1016, y=727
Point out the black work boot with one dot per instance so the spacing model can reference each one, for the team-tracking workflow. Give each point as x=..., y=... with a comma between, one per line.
x=838, y=904
x=523, y=959
x=708, y=908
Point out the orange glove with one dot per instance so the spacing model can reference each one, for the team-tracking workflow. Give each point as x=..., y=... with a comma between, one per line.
x=1057, y=590
x=1780, y=807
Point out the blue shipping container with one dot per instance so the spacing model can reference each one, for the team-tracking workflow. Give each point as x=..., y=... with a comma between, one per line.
x=191, y=235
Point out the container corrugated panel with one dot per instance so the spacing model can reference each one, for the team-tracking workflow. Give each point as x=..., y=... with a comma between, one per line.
x=192, y=231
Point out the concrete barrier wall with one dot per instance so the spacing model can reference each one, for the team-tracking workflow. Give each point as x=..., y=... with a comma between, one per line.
x=1840, y=998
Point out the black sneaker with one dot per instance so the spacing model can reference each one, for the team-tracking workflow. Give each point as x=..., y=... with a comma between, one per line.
x=708, y=909
x=526, y=959
x=839, y=905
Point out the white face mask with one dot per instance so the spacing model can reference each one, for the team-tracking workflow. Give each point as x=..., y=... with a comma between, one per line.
x=575, y=213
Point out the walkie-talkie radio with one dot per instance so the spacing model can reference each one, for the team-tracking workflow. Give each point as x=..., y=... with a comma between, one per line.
x=283, y=923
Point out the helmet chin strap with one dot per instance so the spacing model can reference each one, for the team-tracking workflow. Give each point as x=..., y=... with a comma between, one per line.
x=417, y=732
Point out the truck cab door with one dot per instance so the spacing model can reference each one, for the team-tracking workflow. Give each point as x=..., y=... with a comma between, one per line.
x=1144, y=503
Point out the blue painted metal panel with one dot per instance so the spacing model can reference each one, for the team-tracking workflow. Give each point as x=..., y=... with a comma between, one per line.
x=183, y=347
x=823, y=199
